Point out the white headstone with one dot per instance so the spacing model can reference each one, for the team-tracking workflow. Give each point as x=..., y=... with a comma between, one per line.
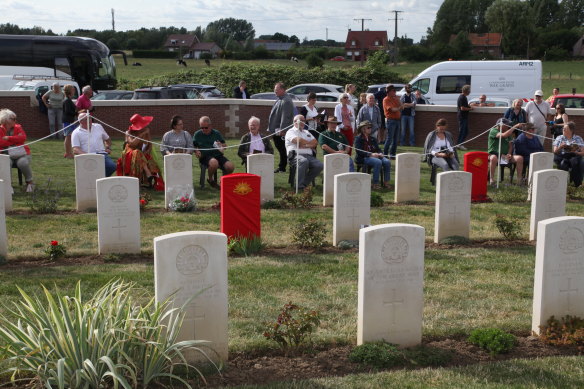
x=333, y=164
x=6, y=176
x=194, y=263
x=118, y=215
x=3, y=236
x=549, y=197
x=407, y=177
x=452, y=205
x=352, y=205
x=559, y=270
x=88, y=169
x=538, y=161
x=178, y=176
x=391, y=282
x=263, y=166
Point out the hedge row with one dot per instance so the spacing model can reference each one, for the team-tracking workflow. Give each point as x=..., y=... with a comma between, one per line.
x=154, y=54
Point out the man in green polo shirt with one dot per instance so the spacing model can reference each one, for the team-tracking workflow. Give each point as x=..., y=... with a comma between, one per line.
x=503, y=131
x=334, y=142
x=211, y=145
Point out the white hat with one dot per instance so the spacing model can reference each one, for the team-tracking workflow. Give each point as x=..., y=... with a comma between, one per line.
x=538, y=92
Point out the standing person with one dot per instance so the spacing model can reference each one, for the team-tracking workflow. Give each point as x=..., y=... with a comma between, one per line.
x=568, y=152
x=538, y=113
x=53, y=100
x=527, y=143
x=515, y=114
x=90, y=137
x=379, y=96
x=345, y=113
x=369, y=153
x=212, y=146
x=462, y=110
x=310, y=112
x=69, y=113
x=301, y=147
x=84, y=101
x=240, y=91
x=408, y=101
x=332, y=141
x=560, y=119
x=11, y=137
x=281, y=117
x=419, y=97
x=391, y=108
x=177, y=140
x=253, y=142
x=350, y=90
x=555, y=92
x=370, y=112
x=362, y=101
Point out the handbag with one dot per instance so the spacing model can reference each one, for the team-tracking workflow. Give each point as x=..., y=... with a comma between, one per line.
x=16, y=152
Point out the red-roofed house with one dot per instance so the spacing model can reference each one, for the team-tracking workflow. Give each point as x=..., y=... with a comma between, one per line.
x=176, y=42
x=204, y=47
x=487, y=43
x=364, y=42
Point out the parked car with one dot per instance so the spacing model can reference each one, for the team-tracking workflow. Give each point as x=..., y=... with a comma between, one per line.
x=113, y=95
x=42, y=86
x=269, y=96
x=575, y=100
x=493, y=102
x=203, y=91
x=301, y=91
x=163, y=92
x=327, y=98
x=338, y=58
x=377, y=87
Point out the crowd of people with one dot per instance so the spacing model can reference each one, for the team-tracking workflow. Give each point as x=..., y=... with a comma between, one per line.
x=298, y=134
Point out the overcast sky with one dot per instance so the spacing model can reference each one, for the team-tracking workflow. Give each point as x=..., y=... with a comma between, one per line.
x=303, y=18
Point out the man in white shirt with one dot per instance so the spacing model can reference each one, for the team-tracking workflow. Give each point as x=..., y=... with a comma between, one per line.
x=94, y=141
x=538, y=113
x=300, y=146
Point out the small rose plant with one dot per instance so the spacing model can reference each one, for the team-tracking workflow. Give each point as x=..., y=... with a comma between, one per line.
x=55, y=250
x=183, y=203
x=144, y=200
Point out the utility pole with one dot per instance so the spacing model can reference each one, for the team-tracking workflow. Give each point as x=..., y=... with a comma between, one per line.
x=395, y=38
x=113, y=21
x=326, y=34
x=361, y=50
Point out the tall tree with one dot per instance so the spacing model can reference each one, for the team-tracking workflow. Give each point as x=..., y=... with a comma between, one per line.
x=545, y=12
x=514, y=19
x=238, y=29
x=572, y=13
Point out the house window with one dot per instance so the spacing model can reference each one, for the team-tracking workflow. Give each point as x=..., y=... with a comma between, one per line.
x=353, y=43
x=349, y=53
x=173, y=41
x=376, y=43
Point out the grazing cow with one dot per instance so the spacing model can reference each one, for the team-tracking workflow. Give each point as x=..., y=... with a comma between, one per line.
x=136, y=64
x=181, y=62
x=294, y=59
x=207, y=62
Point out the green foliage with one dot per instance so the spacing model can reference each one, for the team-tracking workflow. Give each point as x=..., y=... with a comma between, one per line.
x=112, y=258
x=55, y=250
x=378, y=59
x=300, y=200
x=376, y=199
x=293, y=326
x=507, y=194
x=493, y=340
x=576, y=193
x=309, y=232
x=206, y=56
x=106, y=341
x=44, y=200
x=245, y=246
x=455, y=240
x=569, y=330
x=154, y=54
x=509, y=227
x=428, y=356
x=377, y=354
x=3, y=260
x=272, y=204
x=314, y=61
x=348, y=244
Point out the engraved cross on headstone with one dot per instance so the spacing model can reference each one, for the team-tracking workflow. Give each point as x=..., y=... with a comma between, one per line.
x=191, y=313
x=550, y=210
x=119, y=227
x=393, y=305
x=353, y=217
x=568, y=292
x=453, y=214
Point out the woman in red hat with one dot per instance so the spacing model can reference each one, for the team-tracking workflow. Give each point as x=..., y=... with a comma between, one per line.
x=136, y=160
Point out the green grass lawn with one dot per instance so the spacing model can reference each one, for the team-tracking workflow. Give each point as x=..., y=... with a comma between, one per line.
x=464, y=287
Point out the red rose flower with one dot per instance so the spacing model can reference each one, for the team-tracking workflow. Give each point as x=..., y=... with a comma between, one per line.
x=54, y=243
x=142, y=201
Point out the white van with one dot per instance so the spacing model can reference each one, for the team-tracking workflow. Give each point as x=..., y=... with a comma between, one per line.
x=442, y=83
x=42, y=86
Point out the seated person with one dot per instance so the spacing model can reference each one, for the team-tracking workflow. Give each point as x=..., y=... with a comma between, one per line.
x=438, y=148
x=136, y=160
x=99, y=141
x=527, y=143
x=252, y=142
x=209, y=147
x=11, y=137
x=333, y=142
x=177, y=140
x=369, y=153
x=568, y=152
x=501, y=134
x=301, y=148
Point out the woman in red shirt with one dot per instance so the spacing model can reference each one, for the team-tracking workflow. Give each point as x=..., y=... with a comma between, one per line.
x=12, y=139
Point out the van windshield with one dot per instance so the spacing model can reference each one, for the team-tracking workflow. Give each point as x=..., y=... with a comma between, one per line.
x=422, y=84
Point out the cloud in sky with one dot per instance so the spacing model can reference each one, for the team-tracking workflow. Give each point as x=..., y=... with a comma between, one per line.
x=303, y=18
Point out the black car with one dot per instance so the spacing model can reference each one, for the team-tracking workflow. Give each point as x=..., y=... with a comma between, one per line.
x=113, y=95
x=163, y=92
x=203, y=91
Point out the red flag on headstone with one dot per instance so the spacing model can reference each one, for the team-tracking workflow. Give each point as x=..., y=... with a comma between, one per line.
x=240, y=205
x=477, y=163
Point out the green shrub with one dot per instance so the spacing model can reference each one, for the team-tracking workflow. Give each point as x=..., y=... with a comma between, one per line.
x=309, y=232
x=576, y=193
x=245, y=246
x=272, y=204
x=377, y=354
x=106, y=341
x=376, y=199
x=300, y=200
x=569, y=330
x=493, y=340
x=314, y=61
x=293, y=326
x=44, y=200
x=509, y=227
x=424, y=356
x=455, y=240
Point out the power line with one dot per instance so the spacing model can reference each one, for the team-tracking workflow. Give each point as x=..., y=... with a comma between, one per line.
x=395, y=38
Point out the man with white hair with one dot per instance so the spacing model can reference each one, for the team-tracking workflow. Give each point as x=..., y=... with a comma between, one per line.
x=84, y=101
x=371, y=113
x=538, y=113
x=91, y=138
x=301, y=148
x=253, y=142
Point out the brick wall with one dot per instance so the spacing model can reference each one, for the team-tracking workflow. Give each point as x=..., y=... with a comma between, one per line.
x=230, y=116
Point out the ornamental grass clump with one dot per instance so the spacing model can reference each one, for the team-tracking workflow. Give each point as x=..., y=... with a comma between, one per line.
x=103, y=342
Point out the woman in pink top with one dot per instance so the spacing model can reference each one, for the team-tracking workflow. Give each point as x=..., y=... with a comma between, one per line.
x=345, y=113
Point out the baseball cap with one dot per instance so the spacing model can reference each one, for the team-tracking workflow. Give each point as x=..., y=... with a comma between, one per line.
x=538, y=92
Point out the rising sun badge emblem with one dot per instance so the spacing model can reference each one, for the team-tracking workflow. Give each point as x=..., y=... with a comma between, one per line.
x=478, y=162
x=242, y=189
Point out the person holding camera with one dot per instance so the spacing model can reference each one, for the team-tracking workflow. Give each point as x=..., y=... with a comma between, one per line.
x=438, y=148
x=568, y=152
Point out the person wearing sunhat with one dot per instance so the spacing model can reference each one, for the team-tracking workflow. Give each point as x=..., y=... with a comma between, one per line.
x=332, y=141
x=538, y=113
x=369, y=153
x=136, y=160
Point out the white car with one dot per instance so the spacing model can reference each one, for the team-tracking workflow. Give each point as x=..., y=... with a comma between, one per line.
x=301, y=91
x=42, y=86
x=492, y=102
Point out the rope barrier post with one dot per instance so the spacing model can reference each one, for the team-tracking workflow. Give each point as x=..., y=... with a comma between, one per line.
x=297, y=164
x=88, y=125
x=499, y=159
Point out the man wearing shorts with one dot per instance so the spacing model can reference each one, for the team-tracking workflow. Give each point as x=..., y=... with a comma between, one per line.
x=209, y=145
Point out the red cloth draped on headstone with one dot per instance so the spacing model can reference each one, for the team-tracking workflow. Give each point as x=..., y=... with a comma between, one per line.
x=240, y=205
x=477, y=163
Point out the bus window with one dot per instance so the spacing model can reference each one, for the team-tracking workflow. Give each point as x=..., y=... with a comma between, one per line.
x=62, y=64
